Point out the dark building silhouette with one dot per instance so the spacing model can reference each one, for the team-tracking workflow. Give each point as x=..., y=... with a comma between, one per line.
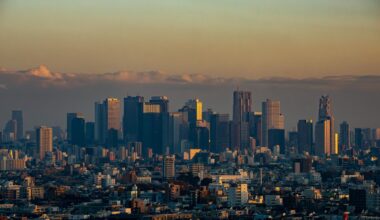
x=219, y=132
x=78, y=136
x=358, y=138
x=276, y=137
x=69, y=117
x=90, y=133
x=155, y=133
x=112, y=138
x=305, y=136
x=202, y=138
x=99, y=123
x=344, y=136
x=255, y=126
x=242, y=105
x=133, y=118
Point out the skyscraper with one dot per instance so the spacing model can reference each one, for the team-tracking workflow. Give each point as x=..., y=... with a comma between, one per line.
x=169, y=167
x=325, y=113
x=271, y=119
x=242, y=104
x=107, y=119
x=219, y=132
x=44, y=141
x=99, y=122
x=78, y=136
x=175, y=121
x=344, y=140
x=18, y=117
x=132, y=118
x=255, y=126
x=112, y=113
x=162, y=101
x=358, y=138
x=322, y=138
x=155, y=132
x=69, y=117
x=90, y=133
x=276, y=137
x=196, y=105
x=305, y=136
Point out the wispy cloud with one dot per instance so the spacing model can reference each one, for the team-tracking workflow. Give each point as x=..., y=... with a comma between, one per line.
x=42, y=76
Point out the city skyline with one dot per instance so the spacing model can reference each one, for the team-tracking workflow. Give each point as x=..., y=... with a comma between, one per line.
x=39, y=89
x=190, y=109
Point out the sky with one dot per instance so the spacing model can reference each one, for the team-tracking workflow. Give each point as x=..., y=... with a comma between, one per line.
x=247, y=38
x=62, y=56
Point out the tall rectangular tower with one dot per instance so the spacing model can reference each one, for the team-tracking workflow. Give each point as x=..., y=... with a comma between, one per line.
x=44, y=141
x=133, y=118
x=242, y=105
x=271, y=119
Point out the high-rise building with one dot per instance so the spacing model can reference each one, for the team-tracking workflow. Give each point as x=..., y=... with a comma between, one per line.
x=271, y=119
x=175, y=122
x=325, y=113
x=69, y=117
x=112, y=113
x=107, y=119
x=276, y=137
x=169, y=167
x=44, y=137
x=255, y=121
x=344, y=140
x=358, y=138
x=155, y=133
x=99, y=123
x=322, y=138
x=305, y=136
x=90, y=133
x=219, y=132
x=242, y=105
x=162, y=101
x=132, y=119
x=196, y=105
x=18, y=117
x=78, y=136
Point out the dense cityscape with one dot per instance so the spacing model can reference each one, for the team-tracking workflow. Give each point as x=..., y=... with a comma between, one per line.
x=138, y=160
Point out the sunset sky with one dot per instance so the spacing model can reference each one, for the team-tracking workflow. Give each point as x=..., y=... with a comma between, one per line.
x=245, y=38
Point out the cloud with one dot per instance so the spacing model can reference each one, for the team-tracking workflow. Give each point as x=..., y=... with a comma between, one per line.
x=42, y=76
